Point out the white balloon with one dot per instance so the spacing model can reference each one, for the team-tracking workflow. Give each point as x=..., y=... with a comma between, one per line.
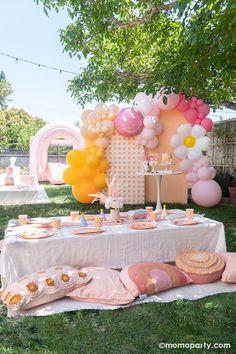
x=181, y=152
x=203, y=143
x=176, y=140
x=152, y=144
x=194, y=153
x=198, y=131
x=150, y=121
x=185, y=129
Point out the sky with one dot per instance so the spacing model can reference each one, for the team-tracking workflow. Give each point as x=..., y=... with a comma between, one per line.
x=26, y=32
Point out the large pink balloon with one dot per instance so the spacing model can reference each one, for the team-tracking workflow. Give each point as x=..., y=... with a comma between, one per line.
x=191, y=115
x=186, y=165
x=207, y=124
x=204, y=173
x=206, y=193
x=183, y=105
x=129, y=122
x=167, y=102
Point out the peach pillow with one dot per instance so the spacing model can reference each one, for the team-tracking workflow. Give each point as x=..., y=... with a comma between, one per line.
x=202, y=266
x=42, y=287
x=146, y=278
x=229, y=274
x=104, y=288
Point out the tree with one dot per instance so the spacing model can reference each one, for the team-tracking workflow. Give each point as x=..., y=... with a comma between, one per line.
x=5, y=90
x=142, y=45
x=17, y=126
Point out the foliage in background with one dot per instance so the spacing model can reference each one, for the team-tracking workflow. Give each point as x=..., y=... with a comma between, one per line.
x=17, y=126
x=5, y=90
x=143, y=45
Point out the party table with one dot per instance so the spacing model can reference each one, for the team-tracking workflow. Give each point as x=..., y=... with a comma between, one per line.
x=11, y=195
x=115, y=248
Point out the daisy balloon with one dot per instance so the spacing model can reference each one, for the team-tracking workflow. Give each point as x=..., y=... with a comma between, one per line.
x=190, y=142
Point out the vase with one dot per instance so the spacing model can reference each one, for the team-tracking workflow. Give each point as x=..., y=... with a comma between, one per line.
x=115, y=214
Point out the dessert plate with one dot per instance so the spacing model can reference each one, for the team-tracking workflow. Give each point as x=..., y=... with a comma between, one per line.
x=36, y=234
x=142, y=225
x=88, y=231
x=186, y=222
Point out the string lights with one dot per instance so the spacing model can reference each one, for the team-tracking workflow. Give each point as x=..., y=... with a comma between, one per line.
x=17, y=59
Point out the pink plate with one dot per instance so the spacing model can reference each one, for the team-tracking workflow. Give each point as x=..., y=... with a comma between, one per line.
x=142, y=225
x=36, y=234
x=186, y=222
x=88, y=231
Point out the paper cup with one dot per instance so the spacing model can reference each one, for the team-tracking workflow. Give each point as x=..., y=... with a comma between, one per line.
x=149, y=209
x=99, y=221
x=189, y=213
x=56, y=223
x=153, y=216
x=23, y=219
x=74, y=216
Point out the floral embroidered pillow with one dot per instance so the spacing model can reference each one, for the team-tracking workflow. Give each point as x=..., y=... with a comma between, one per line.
x=42, y=287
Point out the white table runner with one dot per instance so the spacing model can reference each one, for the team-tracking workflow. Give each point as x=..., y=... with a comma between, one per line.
x=117, y=247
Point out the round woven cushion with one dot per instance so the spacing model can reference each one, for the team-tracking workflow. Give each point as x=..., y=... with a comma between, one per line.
x=201, y=266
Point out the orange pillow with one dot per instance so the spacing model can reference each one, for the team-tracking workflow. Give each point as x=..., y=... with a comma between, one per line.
x=146, y=278
x=42, y=287
x=202, y=266
x=104, y=288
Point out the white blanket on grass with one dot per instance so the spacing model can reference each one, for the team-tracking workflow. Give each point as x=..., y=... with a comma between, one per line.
x=188, y=292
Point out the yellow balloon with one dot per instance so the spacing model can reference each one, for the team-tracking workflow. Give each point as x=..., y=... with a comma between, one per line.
x=87, y=172
x=100, y=180
x=92, y=160
x=99, y=154
x=71, y=175
x=82, y=190
x=75, y=158
x=103, y=166
x=190, y=141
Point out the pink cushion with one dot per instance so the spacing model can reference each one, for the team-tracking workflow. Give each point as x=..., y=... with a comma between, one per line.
x=104, y=288
x=202, y=266
x=229, y=274
x=151, y=277
x=55, y=172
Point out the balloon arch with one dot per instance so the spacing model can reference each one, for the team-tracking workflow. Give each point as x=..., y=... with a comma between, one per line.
x=88, y=167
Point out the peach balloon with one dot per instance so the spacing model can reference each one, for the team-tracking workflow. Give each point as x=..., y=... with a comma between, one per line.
x=102, y=142
x=87, y=133
x=85, y=114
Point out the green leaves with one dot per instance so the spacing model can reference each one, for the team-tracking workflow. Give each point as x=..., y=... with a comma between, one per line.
x=133, y=45
x=5, y=90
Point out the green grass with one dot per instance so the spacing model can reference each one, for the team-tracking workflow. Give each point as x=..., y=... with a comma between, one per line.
x=138, y=329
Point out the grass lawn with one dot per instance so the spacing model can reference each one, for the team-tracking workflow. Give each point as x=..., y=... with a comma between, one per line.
x=138, y=329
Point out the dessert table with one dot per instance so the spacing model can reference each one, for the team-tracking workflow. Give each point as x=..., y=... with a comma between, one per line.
x=115, y=248
x=159, y=176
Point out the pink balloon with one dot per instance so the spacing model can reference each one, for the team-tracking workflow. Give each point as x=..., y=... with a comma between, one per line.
x=152, y=144
x=144, y=142
x=201, y=115
x=194, y=99
x=191, y=115
x=183, y=105
x=213, y=171
x=200, y=102
x=193, y=105
x=129, y=122
x=148, y=133
x=143, y=103
x=204, y=109
x=206, y=193
x=204, y=173
x=195, y=169
x=159, y=128
x=207, y=124
x=191, y=177
x=186, y=165
x=155, y=110
x=198, y=121
x=171, y=99
x=150, y=121
x=204, y=161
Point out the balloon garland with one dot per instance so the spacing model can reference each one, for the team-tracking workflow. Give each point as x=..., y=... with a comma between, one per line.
x=87, y=168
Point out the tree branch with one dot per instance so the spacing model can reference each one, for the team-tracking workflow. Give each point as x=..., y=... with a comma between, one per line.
x=133, y=75
x=153, y=9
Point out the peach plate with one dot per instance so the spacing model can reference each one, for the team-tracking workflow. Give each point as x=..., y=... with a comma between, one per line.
x=186, y=222
x=142, y=225
x=88, y=231
x=36, y=234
